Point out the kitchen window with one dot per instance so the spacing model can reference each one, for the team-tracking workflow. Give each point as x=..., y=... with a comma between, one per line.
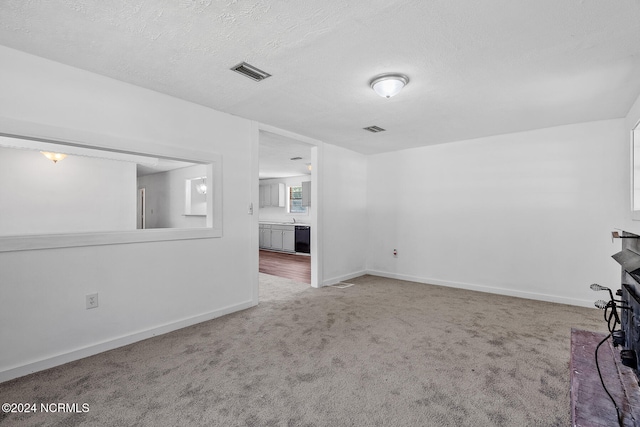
x=295, y=200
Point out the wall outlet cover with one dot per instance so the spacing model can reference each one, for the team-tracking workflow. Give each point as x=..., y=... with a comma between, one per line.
x=92, y=301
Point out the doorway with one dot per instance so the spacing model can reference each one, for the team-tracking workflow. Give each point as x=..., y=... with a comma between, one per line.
x=290, y=266
x=286, y=177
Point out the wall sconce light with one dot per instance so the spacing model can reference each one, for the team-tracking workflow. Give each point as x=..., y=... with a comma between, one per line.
x=201, y=187
x=54, y=157
x=309, y=166
x=388, y=85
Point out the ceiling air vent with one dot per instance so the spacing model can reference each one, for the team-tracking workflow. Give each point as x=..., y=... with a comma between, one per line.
x=250, y=71
x=374, y=129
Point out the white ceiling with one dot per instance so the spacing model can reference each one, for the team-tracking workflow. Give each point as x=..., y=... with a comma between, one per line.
x=161, y=165
x=477, y=67
x=279, y=157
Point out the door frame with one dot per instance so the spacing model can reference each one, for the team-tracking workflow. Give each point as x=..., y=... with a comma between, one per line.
x=141, y=211
x=316, y=196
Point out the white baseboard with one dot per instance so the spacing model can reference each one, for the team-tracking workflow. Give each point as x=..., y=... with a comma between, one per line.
x=91, y=350
x=334, y=280
x=487, y=289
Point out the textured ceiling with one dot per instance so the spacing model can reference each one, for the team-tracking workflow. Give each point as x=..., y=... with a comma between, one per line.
x=477, y=68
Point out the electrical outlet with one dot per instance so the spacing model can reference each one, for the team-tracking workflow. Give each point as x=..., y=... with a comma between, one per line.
x=92, y=301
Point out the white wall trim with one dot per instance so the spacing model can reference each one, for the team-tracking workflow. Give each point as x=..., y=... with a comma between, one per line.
x=74, y=240
x=254, y=211
x=12, y=128
x=635, y=214
x=317, y=217
x=316, y=197
x=35, y=132
x=342, y=278
x=101, y=347
x=487, y=289
x=288, y=134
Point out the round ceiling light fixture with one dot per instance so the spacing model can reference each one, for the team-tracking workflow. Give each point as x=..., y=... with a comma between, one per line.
x=54, y=157
x=388, y=85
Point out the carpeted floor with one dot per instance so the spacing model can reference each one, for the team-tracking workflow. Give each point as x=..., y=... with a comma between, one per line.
x=380, y=353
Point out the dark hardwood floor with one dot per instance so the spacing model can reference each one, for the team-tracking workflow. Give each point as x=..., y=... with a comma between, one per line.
x=291, y=266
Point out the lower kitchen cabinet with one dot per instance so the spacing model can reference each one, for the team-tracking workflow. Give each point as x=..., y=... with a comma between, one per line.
x=277, y=237
x=264, y=236
x=289, y=240
x=276, y=240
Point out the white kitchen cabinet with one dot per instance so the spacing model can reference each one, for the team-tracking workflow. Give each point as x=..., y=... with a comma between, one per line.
x=306, y=193
x=261, y=236
x=277, y=237
x=265, y=236
x=265, y=195
x=289, y=239
x=277, y=195
x=272, y=195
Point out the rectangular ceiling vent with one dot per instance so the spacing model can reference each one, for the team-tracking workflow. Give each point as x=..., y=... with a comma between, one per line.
x=250, y=71
x=374, y=129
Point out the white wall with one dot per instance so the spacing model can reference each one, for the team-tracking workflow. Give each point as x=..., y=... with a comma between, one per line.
x=344, y=214
x=165, y=193
x=278, y=214
x=77, y=194
x=144, y=288
x=526, y=214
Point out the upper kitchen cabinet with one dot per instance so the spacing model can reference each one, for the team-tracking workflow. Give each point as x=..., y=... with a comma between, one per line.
x=265, y=196
x=272, y=195
x=277, y=195
x=306, y=193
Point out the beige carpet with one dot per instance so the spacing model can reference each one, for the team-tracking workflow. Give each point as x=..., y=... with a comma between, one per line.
x=380, y=353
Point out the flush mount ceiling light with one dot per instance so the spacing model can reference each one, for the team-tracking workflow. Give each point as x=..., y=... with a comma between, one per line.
x=388, y=85
x=54, y=157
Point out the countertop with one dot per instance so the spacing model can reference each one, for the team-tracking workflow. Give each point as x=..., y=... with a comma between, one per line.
x=285, y=223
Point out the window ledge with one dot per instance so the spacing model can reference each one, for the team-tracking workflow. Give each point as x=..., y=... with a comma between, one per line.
x=72, y=240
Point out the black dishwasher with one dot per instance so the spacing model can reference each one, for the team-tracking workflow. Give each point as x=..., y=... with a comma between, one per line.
x=303, y=239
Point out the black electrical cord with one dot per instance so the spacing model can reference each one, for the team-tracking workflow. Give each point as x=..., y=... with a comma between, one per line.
x=610, y=316
x=612, y=327
x=620, y=423
x=613, y=315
